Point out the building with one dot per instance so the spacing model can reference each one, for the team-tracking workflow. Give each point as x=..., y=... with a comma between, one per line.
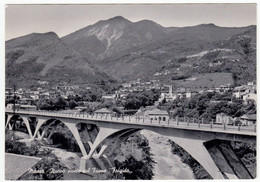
x=248, y=119
x=8, y=93
x=223, y=88
x=45, y=95
x=21, y=107
x=249, y=96
x=35, y=97
x=28, y=107
x=240, y=91
x=104, y=112
x=26, y=101
x=222, y=118
x=109, y=97
x=81, y=108
x=11, y=107
x=156, y=115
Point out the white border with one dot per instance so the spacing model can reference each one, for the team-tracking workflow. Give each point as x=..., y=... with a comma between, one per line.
x=2, y=51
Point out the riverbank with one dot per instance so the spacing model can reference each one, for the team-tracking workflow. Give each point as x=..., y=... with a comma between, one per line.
x=167, y=165
x=198, y=171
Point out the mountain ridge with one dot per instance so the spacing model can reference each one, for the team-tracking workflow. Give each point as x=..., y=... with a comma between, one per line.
x=118, y=49
x=37, y=59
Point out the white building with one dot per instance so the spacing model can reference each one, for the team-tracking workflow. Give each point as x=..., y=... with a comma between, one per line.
x=248, y=119
x=156, y=115
x=222, y=118
x=250, y=96
x=104, y=112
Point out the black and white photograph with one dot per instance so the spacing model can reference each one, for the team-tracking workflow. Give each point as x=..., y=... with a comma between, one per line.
x=130, y=91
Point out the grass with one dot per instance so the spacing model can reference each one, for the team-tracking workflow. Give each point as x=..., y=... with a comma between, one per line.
x=208, y=80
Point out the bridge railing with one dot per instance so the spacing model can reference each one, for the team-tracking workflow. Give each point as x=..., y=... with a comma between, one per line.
x=177, y=122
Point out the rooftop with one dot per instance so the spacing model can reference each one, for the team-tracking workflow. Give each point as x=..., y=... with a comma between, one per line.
x=157, y=112
x=103, y=110
x=249, y=116
x=16, y=165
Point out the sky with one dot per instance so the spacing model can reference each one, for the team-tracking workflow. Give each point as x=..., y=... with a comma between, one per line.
x=64, y=19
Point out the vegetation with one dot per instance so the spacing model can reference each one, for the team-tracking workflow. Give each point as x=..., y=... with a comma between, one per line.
x=207, y=105
x=49, y=161
x=247, y=153
x=138, y=168
x=140, y=99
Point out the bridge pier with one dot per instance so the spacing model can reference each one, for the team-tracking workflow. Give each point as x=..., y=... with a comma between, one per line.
x=103, y=134
x=9, y=116
x=199, y=152
x=38, y=126
x=74, y=130
x=26, y=121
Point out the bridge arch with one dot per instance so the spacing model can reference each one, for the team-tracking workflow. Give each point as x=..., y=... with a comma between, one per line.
x=51, y=130
x=42, y=127
x=18, y=123
x=106, y=145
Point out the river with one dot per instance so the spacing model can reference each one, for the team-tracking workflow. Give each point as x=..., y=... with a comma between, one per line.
x=168, y=166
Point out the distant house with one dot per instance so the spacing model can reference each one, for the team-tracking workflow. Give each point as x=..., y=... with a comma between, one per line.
x=69, y=92
x=104, y=112
x=156, y=115
x=109, y=97
x=222, y=118
x=54, y=95
x=27, y=101
x=81, y=108
x=28, y=107
x=190, y=94
x=240, y=91
x=223, y=88
x=34, y=97
x=249, y=96
x=21, y=107
x=11, y=106
x=248, y=119
x=45, y=95
x=8, y=93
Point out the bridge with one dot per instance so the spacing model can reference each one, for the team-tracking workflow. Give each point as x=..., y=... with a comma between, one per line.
x=111, y=131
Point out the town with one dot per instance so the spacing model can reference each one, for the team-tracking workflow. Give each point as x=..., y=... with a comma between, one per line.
x=73, y=101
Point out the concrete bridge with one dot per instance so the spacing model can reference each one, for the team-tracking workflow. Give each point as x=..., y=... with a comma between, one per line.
x=111, y=131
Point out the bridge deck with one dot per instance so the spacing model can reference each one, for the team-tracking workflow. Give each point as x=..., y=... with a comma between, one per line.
x=171, y=123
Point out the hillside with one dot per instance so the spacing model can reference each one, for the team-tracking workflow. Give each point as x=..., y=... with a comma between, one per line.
x=207, y=32
x=184, y=57
x=169, y=60
x=118, y=49
x=107, y=37
x=208, y=80
x=45, y=57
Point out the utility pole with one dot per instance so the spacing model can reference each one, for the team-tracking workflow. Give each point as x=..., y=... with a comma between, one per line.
x=14, y=87
x=9, y=95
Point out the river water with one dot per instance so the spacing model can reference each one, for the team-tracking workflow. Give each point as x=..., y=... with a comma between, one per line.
x=168, y=166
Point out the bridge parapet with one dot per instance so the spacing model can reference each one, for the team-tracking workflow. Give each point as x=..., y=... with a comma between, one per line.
x=144, y=121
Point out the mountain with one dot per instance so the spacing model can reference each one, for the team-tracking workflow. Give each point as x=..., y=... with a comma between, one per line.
x=45, y=57
x=207, y=32
x=118, y=49
x=129, y=50
x=108, y=37
x=235, y=55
